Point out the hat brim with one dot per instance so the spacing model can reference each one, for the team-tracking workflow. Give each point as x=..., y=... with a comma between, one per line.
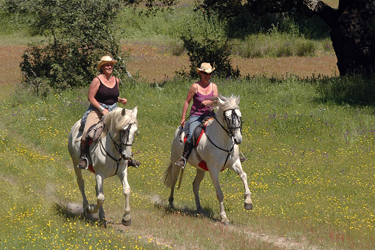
x=208, y=71
x=113, y=62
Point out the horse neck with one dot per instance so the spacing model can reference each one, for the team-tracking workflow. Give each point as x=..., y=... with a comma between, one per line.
x=221, y=135
x=109, y=138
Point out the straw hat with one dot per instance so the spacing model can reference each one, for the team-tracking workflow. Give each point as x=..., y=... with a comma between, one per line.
x=106, y=59
x=205, y=67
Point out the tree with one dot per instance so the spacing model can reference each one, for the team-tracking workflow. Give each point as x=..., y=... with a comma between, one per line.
x=352, y=25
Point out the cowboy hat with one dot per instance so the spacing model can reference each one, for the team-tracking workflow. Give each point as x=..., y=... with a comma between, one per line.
x=106, y=59
x=205, y=67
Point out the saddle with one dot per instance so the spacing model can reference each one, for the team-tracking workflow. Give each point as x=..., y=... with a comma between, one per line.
x=94, y=132
x=198, y=132
x=93, y=135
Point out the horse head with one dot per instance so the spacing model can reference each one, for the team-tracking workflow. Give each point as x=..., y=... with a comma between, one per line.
x=232, y=116
x=123, y=125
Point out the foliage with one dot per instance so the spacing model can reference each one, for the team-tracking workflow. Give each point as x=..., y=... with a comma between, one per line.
x=215, y=52
x=291, y=22
x=351, y=89
x=210, y=46
x=274, y=43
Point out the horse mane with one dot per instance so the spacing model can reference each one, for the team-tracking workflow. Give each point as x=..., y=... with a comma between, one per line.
x=227, y=103
x=117, y=119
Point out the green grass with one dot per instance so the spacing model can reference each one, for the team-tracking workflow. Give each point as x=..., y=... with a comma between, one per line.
x=166, y=29
x=309, y=169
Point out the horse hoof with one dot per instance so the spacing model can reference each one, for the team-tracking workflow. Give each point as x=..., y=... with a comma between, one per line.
x=126, y=223
x=248, y=206
x=104, y=223
x=226, y=223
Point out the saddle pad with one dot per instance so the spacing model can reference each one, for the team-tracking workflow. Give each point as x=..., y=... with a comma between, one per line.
x=198, y=131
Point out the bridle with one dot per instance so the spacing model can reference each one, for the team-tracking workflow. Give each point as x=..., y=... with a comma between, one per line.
x=120, y=145
x=234, y=123
x=231, y=125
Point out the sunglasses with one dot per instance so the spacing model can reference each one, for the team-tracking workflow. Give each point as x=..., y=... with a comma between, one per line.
x=205, y=73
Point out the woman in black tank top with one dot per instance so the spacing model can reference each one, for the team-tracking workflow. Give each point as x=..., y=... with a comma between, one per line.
x=103, y=96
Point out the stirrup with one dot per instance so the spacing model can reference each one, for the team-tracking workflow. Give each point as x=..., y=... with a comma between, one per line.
x=178, y=163
x=84, y=158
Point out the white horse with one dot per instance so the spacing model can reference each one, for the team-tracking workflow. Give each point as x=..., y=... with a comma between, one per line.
x=109, y=156
x=216, y=151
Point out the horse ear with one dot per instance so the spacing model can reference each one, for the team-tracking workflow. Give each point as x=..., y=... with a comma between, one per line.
x=135, y=111
x=221, y=100
x=238, y=100
x=123, y=112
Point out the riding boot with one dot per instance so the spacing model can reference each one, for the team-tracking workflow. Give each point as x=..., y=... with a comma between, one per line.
x=185, y=155
x=134, y=163
x=84, y=161
x=242, y=157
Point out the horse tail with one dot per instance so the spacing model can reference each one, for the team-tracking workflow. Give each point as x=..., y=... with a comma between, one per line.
x=180, y=180
x=169, y=179
x=168, y=176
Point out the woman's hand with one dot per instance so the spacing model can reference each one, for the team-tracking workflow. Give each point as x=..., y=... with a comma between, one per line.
x=182, y=122
x=206, y=102
x=105, y=111
x=122, y=100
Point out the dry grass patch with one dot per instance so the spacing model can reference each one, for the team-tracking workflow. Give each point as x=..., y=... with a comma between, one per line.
x=155, y=63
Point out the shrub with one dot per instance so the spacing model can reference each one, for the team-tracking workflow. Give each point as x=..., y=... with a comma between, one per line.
x=284, y=49
x=306, y=48
x=213, y=51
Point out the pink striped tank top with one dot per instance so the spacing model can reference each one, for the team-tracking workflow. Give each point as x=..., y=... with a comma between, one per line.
x=197, y=109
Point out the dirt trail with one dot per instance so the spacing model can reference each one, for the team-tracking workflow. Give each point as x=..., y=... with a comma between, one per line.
x=147, y=233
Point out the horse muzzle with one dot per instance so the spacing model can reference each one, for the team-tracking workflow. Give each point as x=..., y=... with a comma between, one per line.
x=126, y=158
x=237, y=141
x=237, y=138
x=126, y=155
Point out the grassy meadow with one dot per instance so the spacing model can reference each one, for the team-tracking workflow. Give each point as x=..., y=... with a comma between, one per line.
x=309, y=144
x=309, y=169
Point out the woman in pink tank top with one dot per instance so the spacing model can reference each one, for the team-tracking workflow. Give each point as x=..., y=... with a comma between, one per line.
x=203, y=94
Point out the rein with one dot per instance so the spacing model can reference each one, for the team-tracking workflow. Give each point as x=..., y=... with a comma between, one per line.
x=118, y=146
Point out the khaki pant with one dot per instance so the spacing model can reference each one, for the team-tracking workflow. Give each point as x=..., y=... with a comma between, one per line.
x=93, y=118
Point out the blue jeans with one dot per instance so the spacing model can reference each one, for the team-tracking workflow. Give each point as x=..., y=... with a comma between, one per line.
x=194, y=122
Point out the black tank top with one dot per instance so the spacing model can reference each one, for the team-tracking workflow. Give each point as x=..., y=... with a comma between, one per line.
x=107, y=95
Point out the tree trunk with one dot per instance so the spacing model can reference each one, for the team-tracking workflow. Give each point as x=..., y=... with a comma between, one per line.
x=353, y=32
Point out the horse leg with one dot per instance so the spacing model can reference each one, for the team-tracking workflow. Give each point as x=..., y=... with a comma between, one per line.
x=219, y=194
x=81, y=185
x=238, y=169
x=126, y=218
x=99, y=198
x=196, y=184
x=170, y=179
